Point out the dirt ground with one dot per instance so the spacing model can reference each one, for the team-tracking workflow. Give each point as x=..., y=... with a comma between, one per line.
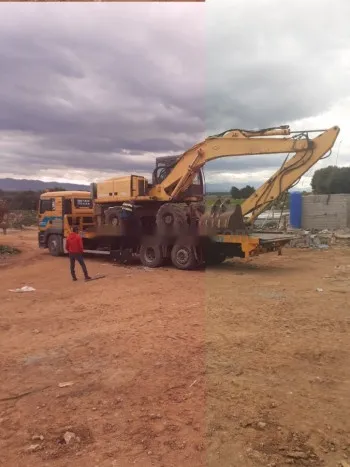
x=244, y=365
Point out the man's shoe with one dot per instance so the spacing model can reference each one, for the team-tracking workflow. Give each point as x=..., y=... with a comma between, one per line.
x=75, y=279
x=88, y=278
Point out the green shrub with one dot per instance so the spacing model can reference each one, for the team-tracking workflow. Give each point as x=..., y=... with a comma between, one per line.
x=8, y=250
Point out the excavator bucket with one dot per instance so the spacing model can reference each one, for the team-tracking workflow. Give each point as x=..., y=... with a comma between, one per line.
x=222, y=219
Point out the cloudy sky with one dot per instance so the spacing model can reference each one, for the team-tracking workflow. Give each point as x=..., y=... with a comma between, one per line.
x=92, y=91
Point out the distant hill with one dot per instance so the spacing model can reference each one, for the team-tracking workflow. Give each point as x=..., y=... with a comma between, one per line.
x=11, y=184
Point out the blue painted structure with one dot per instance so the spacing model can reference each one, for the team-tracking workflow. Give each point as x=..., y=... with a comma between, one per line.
x=45, y=220
x=295, y=209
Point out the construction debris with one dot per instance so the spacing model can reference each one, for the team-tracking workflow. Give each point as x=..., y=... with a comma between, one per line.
x=66, y=384
x=278, y=221
x=321, y=240
x=69, y=436
x=343, y=234
x=33, y=448
x=25, y=288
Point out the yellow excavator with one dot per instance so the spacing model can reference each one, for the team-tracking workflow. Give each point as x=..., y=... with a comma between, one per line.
x=172, y=221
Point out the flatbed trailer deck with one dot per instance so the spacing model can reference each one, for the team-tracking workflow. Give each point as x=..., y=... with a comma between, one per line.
x=254, y=244
x=229, y=246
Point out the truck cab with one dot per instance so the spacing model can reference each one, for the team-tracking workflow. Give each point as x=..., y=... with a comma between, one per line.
x=58, y=211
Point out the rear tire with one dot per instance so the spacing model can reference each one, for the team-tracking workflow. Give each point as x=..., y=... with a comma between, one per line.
x=183, y=257
x=112, y=217
x=55, y=245
x=151, y=256
x=171, y=219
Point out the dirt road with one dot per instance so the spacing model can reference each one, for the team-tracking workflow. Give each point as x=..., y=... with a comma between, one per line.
x=240, y=366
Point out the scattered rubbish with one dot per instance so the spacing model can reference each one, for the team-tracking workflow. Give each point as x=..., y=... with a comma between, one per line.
x=38, y=438
x=65, y=384
x=97, y=276
x=192, y=384
x=261, y=425
x=343, y=234
x=19, y=396
x=25, y=288
x=319, y=289
x=319, y=239
x=33, y=447
x=69, y=436
x=297, y=455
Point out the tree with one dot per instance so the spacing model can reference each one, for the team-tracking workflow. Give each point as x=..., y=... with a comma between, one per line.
x=235, y=192
x=56, y=188
x=242, y=193
x=247, y=191
x=24, y=200
x=331, y=180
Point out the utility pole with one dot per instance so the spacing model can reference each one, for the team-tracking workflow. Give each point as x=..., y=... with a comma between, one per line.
x=336, y=160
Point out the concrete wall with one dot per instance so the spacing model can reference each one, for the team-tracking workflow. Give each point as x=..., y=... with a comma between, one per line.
x=326, y=212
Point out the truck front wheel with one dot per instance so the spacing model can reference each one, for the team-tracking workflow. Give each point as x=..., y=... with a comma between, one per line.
x=55, y=245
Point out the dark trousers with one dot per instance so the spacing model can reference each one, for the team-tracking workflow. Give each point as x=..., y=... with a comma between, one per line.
x=77, y=257
x=127, y=231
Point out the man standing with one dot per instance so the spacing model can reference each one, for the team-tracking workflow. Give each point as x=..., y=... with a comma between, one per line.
x=74, y=246
x=130, y=221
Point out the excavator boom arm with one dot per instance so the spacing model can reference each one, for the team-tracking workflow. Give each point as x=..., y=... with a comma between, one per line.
x=244, y=143
x=290, y=172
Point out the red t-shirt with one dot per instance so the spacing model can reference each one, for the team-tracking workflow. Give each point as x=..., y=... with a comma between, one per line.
x=74, y=243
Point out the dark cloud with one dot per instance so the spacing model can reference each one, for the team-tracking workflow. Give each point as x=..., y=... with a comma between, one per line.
x=91, y=88
x=277, y=62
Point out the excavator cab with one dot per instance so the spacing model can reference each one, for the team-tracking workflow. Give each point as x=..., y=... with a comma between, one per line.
x=165, y=164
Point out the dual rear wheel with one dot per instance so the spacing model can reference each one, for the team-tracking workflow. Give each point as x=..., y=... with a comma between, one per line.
x=182, y=256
